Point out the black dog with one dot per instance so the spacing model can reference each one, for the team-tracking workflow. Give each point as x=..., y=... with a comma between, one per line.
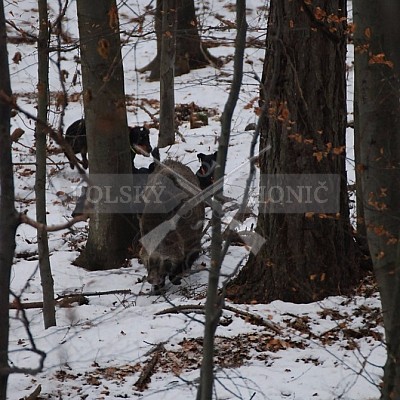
x=75, y=136
x=205, y=174
x=139, y=140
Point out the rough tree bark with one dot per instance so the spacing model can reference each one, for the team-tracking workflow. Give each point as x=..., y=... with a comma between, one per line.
x=361, y=228
x=49, y=313
x=378, y=77
x=8, y=215
x=306, y=256
x=166, y=135
x=110, y=235
x=359, y=65
x=190, y=51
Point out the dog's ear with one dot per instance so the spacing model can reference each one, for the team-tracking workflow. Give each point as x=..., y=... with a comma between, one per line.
x=216, y=154
x=201, y=156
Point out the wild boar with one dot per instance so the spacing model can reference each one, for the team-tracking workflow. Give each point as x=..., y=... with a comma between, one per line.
x=171, y=223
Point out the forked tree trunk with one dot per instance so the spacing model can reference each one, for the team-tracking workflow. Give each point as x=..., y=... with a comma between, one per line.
x=378, y=73
x=110, y=235
x=306, y=256
x=190, y=52
x=8, y=215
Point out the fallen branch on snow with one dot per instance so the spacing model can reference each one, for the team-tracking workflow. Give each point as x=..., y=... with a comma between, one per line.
x=67, y=299
x=144, y=377
x=196, y=308
x=35, y=394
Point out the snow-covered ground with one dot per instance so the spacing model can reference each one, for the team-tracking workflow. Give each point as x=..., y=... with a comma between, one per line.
x=327, y=350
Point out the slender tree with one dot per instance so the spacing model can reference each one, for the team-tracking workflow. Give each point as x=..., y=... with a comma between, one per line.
x=8, y=215
x=306, y=256
x=49, y=314
x=214, y=301
x=110, y=235
x=378, y=90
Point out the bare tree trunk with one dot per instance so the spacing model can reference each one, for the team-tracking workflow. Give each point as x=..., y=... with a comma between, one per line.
x=361, y=236
x=361, y=228
x=167, y=72
x=214, y=302
x=190, y=52
x=378, y=70
x=8, y=215
x=106, y=128
x=306, y=256
x=49, y=313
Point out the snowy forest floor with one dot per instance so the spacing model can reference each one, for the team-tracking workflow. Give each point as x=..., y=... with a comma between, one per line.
x=133, y=344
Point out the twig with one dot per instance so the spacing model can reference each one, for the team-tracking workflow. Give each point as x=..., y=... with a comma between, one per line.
x=25, y=306
x=33, y=348
x=196, y=307
x=148, y=370
x=35, y=394
x=23, y=33
x=34, y=163
x=181, y=309
x=257, y=318
x=88, y=294
x=57, y=163
x=23, y=218
x=65, y=300
x=56, y=136
x=151, y=115
x=180, y=134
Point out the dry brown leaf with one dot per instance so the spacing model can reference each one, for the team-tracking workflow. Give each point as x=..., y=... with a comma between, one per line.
x=18, y=132
x=319, y=13
x=17, y=58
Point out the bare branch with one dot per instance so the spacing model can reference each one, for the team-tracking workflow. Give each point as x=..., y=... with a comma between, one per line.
x=35, y=394
x=88, y=294
x=144, y=377
x=23, y=218
x=56, y=136
x=189, y=308
x=42, y=355
x=21, y=31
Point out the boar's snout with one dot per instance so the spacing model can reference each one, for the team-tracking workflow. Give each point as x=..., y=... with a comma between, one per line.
x=157, y=270
x=155, y=278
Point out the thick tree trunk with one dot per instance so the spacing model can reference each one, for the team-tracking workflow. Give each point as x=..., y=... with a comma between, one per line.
x=306, y=256
x=8, y=215
x=359, y=65
x=378, y=74
x=190, y=52
x=361, y=228
x=106, y=128
x=49, y=313
x=167, y=97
